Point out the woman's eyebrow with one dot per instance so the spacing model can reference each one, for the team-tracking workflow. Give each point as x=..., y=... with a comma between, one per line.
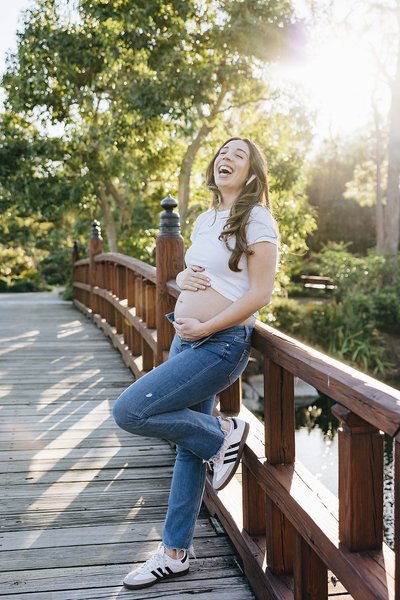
x=237, y=150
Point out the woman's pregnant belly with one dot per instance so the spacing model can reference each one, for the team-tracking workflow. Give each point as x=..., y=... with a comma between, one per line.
x=203, y=305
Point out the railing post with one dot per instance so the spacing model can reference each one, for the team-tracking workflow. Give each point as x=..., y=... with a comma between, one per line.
x=169, y=262
x=360, y=482
x=230, y=399
x=310, y=573
x=279, y=449
x=74, y=257
x=95, y=247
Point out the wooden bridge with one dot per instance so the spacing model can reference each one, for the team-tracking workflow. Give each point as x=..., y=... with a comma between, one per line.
x=83, y=500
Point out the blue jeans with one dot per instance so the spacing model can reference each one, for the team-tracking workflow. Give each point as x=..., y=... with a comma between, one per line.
x=174, y=401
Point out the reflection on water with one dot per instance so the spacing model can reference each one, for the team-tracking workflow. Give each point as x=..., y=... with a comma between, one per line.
x=317, y=449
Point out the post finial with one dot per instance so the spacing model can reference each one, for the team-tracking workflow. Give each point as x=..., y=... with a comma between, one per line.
x=96, y=230
x=169, y=220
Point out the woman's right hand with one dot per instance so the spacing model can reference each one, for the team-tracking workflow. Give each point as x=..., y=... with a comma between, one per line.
x=192, y=279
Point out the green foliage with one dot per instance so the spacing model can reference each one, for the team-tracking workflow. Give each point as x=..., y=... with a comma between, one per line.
x=18, y=272
x=128, y=86
x=346, y=323
x=345, y=330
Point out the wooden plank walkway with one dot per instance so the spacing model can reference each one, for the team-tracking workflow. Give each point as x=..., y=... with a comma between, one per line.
x=80, y=499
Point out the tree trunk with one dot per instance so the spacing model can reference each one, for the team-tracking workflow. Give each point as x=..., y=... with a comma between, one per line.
x=190, y=155
x=111, y=229
x=120, y=199
x=392, y=212
x=186, y=171
x=379, y=211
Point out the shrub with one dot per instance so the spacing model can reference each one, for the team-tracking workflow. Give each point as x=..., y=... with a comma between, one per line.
x=56, y=268
x=345, y=330
x=387, y=309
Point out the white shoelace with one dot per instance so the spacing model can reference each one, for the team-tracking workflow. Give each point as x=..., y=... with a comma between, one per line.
x=155, y=561
x=217, y=461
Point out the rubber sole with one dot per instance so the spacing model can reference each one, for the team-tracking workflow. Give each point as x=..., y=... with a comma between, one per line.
x=140, y=586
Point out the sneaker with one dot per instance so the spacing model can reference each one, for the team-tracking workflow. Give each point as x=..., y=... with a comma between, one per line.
x=228, y=461
x=160, y=566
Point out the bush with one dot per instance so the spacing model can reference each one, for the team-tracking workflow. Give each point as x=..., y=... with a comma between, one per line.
x=345, y=330
x=56, y=268
x=387, y=310
x=18, y=272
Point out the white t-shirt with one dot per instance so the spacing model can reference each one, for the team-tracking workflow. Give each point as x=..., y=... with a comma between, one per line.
x=211, y=253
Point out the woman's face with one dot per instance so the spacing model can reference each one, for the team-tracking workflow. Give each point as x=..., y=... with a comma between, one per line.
x=232, y=165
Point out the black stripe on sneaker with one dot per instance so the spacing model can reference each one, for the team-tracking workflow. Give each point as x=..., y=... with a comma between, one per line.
x=156, y=574
x=233, y=445
x=230, y=460
x=234, y=424
x=169, y=571
x=160, y=571
x=184, y=558
x=232, y=452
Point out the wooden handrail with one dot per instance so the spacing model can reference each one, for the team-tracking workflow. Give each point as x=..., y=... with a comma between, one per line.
x=138, y=266
x=288, y=529
x=374, y=401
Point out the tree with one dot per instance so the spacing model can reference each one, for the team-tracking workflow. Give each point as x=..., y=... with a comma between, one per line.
x=392, y=212
x=119, y=78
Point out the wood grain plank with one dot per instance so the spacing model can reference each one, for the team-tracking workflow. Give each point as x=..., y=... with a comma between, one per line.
x=82, y=499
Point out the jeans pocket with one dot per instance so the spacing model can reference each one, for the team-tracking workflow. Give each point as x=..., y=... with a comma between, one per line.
x=240, y=366
x=201, y=341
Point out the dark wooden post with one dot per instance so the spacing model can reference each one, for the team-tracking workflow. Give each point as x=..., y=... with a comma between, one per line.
x=279, y=414
x=279, y=449
x=254, y=510
x=230, y=399
x=310, y=573
x=169, y=262
x=95, y=247
x=74, y=257
x=360, y=482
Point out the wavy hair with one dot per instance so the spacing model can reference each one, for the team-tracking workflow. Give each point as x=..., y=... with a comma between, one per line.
x=253, y=194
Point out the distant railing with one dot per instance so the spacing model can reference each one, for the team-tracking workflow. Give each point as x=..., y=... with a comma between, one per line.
x=288, y=529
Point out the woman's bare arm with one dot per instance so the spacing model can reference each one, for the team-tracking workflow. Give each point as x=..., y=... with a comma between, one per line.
x=262, y=268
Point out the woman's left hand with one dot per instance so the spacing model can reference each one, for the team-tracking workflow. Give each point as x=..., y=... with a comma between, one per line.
x=190, y=329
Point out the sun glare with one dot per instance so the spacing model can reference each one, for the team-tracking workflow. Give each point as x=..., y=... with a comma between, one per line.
x=336, y=78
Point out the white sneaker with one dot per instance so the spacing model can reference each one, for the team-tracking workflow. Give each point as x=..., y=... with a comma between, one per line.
x=230, y=454
x=158, y=567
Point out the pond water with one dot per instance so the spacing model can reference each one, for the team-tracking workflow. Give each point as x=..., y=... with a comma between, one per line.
x=317, y=449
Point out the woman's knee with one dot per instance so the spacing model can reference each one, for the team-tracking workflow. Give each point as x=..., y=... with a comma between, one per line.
x=123, y=414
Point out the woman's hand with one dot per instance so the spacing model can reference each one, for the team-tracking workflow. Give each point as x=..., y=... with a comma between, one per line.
x=192, y=279
x=190, y=329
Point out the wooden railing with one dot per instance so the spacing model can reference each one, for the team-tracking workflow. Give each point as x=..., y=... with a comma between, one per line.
x=291, y=533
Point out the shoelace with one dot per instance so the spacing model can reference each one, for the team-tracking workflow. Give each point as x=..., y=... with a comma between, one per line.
x=155, y=561
x=218, y=462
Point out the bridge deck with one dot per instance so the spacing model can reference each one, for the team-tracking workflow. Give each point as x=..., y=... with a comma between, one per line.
x=82, y=500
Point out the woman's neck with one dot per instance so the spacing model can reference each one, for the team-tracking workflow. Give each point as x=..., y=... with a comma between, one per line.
x=227, y=199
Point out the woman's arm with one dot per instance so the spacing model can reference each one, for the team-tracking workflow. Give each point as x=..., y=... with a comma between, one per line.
x=262, y=268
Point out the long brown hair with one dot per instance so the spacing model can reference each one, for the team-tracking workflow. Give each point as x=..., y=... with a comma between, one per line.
x=253, y=194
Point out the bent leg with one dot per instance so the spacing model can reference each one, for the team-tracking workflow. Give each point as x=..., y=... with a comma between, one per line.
x=157, y=404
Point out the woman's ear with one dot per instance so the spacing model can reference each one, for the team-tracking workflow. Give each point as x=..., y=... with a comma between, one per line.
x=250, y=179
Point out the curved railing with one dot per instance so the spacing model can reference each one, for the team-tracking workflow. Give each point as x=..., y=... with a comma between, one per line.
x=291, y=533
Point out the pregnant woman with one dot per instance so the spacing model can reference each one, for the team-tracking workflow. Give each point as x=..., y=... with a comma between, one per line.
x=230, y=273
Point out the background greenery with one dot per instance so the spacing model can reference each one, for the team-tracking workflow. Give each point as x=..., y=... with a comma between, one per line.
x=110, y=106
